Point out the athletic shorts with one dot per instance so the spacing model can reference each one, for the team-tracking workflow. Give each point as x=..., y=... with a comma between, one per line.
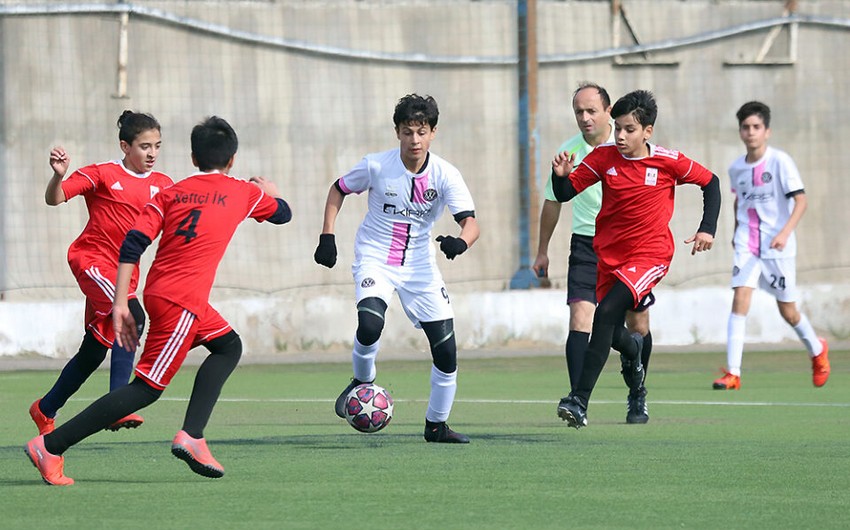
x=173, y=331
x=640, y=276
x=776, y=276
x=421, y=290
x=581, y=274
x=97, y=282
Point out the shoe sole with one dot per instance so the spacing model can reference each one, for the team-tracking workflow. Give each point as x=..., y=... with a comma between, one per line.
x=201, y=469
x=567, y=416
x=637, y=421
x=129, y=424
x=724, y=387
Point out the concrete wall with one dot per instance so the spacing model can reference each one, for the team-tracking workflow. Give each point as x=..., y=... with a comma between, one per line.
x=304, y=118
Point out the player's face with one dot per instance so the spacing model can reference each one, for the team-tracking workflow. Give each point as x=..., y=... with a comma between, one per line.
x=140, y=156
x=591, y=115
x=414, y=142
x=753, y=133
x=631, y=136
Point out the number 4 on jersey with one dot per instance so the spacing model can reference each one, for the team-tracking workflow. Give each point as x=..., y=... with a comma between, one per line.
x=187, y=226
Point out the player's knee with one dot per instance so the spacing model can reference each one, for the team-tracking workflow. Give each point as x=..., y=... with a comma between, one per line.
x=138, y=314
x=229, y=345
x=92, y=352
x=370, y=320
x=144, y=394
x=441, y=337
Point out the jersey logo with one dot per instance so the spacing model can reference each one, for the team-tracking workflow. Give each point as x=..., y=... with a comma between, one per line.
x=154, y=191
x=390, y=191
x=766, y=177
x=117, y=186
x=430, y=194
x=632, y=269
x=651, y=178
x=367, y=282
x=611, y=171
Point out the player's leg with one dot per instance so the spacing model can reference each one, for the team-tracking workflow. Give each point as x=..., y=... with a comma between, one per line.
x=581, y=298
x=441, y=338
x=637, y=322
x=121, y=359
x=746, y=274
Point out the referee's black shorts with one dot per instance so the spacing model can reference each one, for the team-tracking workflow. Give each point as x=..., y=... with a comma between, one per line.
x=581, y=274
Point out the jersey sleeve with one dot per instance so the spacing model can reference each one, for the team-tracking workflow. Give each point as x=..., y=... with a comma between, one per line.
x=262, y=205
x=588, y=172
x=689, y=172
x=789, y=175
x=458, y=198
x=151, y=219
x=83, y=180
x=358, y=178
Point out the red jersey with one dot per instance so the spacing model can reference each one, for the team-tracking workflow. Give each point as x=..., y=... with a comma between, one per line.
x=637, y=200
x=114, y=197
x=197, y=218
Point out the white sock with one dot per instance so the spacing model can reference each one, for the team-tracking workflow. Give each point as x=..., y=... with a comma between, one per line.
x=443, y=388
x=808, y=336
x=363, y=360
x=735, y=330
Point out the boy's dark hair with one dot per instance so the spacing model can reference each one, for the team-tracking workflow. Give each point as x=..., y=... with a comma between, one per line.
x=214, y=143
x=606, y=99
x=751, y=108
x=132, y=124
x=416, y=109
x=641, y=103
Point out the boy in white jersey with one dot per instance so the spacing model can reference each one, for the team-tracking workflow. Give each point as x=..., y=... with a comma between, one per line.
x=769, y=202
x=409, y=187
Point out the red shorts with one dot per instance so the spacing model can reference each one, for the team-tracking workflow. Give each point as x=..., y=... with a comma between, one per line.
x=639, y=275
x=173, y=332
x=97, y=282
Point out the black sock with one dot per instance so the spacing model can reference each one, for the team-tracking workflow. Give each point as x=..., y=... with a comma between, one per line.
x=225, y=352
x=575, y=350
x=75, y=373
x=101, y=414
x=647, y=350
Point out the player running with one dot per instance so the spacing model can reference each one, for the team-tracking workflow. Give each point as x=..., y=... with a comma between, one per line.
x=115, y=193
x=409, y=187
x=197, y=218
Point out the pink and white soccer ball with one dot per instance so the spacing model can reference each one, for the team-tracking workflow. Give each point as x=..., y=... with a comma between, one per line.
x=368, y=407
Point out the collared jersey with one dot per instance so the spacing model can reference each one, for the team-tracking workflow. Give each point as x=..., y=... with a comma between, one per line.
x=637, y=200
x=403, y=207
x=585, y=205
x=764, y=190
x=115, y=196
x=197, y=218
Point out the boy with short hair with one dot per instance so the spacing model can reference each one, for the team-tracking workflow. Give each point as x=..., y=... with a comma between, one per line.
x=769, y=202
x=633, y=241
x=197, y=218
x=409, y=187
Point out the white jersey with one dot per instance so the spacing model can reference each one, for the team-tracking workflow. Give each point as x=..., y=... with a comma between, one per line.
x=403, y=207
x=764, y=190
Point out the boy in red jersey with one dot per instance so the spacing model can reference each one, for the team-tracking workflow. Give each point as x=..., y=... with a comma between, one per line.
x=633, y=239
x=197, y=218
x=115, y=193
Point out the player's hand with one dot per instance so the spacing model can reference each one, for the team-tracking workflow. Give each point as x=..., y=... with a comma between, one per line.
x=702, y=241
x=452, y=246
x=779, y=241
x=269, y=187
x=125, y=327
x=326, y=251
x=562, y=164
x=541, y=266
x=59, y=160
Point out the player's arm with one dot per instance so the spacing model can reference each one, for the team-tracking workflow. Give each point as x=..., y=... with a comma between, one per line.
x=326, y=251
x=800, y=205
x=454, y=246
x=123, y=322
x=562, y=166
x=59, y=161
x=283, y=213
x=550, y=213
x=704, y=238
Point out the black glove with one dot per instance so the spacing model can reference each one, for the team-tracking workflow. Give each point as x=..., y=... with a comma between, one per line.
x=452, y=246
x=326, y=251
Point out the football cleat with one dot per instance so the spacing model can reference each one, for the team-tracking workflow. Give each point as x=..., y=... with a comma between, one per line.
x=439, y=432
x=339, y=405
x=632, y=369
x=130, y=421
x=727, y=382
x=49, y=465
x=571, y=411
x=45, y=425
x=820, y=365
x=637, y=411
x=194, y=451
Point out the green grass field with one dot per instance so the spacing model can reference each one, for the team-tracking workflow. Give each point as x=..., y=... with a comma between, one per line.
x=772, y=455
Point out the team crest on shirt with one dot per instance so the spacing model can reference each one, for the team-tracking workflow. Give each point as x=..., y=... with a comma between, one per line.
x=367, y=282
x=154, y=191
x=735, y=270
x=430, y=194
x=651, y=178
x=766, y=177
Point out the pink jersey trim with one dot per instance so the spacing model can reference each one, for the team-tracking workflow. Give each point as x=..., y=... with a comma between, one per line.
x=343, y=187
x=754, y=223
x=758, y=172
x=420, y=184
x=398, y=244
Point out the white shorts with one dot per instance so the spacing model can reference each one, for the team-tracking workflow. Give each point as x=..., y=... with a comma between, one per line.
x=776, y=276
x=421, y=290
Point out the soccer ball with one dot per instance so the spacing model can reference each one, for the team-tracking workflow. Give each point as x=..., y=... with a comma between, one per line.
x=368, y=407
